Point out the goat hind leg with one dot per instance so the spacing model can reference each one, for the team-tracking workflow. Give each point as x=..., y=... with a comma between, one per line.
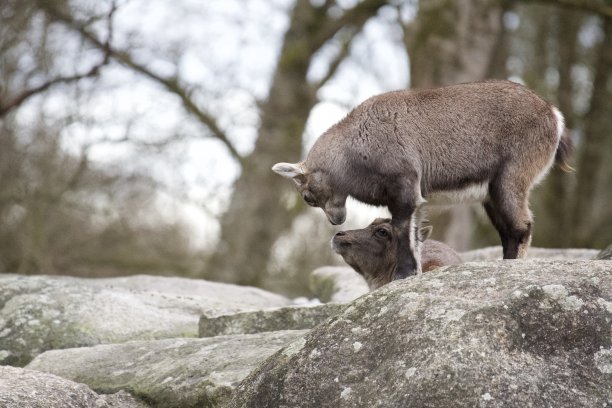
x=509, y=211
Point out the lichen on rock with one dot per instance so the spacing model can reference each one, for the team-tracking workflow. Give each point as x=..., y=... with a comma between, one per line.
x=508, y=333
x=39, y=313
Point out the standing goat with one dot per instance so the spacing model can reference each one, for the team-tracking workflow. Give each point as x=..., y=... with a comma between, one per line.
x=488, y=142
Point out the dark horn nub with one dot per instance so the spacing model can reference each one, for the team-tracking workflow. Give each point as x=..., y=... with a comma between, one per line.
x=341, y=233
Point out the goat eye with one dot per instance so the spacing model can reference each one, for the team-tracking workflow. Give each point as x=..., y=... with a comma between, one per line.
x=309, y=200
x=382, y=233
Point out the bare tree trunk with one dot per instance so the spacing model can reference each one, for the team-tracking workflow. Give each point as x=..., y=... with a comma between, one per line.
x=553, y=200
x=455, y=41
x=595, y=147
x=257, y=216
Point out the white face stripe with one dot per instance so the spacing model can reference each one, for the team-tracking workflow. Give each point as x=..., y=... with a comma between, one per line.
x=415, y=244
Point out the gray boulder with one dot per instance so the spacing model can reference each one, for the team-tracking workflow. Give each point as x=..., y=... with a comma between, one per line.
x=39, y=313
x=221, y=298
x=605, y=254
x=286, y=318
x=495, y=252
x=337, y=284
x=21, y=388
x=341, y=284
x=488, y=334
x=168, y=373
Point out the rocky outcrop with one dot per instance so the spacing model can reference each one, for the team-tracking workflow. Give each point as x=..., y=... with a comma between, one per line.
x=39, y=313
x=605, y=254
x=286, y=318
x=168, y=373
x=488, y=334
x=341, y=284
x=21, y=388
x=337, y=284
x=137, y=335
x=495, y=252
x=502, y=333
x=221, y=298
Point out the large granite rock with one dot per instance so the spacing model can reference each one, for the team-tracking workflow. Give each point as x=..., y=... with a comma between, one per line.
x=286, y=318
x=495, y=252
x=39, y=313
x=21, y=388
x=337, y=284
x=221, y=298
x=489, y=334
x=168, y=373
x=605, y=254
x=341, y=284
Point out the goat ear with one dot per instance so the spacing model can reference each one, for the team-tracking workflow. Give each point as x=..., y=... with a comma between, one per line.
x=289, y=170
x=424, y=233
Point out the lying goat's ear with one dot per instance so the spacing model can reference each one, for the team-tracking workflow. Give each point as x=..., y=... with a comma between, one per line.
x=424, y=233
x=289, y=170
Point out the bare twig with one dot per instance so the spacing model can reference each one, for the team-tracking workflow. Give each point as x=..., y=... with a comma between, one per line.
x=75, y=177
x=92, y=72
x=54, y=194
x=345, y=48
x=172, y=84
x=353, y=17
x=25, y=95
x=601, y=7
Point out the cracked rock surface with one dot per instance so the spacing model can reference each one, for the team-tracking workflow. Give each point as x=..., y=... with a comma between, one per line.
x=39, y=313
x=482, y=334
x=169, y=373
x=21, y=388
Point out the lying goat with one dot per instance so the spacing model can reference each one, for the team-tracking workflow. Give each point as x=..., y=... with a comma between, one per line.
x=373, y=251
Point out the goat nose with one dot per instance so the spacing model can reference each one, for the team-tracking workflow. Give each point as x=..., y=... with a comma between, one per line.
x=341, y=233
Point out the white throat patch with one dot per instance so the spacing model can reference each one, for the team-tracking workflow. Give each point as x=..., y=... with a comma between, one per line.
x=473, y=193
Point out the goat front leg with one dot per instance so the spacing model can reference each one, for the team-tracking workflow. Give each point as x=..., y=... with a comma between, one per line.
x=406, y=223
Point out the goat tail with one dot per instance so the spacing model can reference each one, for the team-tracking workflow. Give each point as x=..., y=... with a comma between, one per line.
x=564, y=152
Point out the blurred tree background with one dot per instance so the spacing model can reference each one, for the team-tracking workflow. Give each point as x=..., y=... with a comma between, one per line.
x=138, y=136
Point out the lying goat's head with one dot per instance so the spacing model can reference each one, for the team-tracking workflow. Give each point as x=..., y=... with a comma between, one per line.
x=373, y=251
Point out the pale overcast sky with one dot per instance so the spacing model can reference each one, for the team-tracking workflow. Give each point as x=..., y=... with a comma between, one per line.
x=226, y=50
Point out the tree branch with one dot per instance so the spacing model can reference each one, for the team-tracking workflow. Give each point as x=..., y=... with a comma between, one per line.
x=75, y=177
x=601, y=7
x=17, y=101
x=92, y=72
x=355, y=17
x=352, y=20
x=345, y=48
x=25, y=95
x=171, y=84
